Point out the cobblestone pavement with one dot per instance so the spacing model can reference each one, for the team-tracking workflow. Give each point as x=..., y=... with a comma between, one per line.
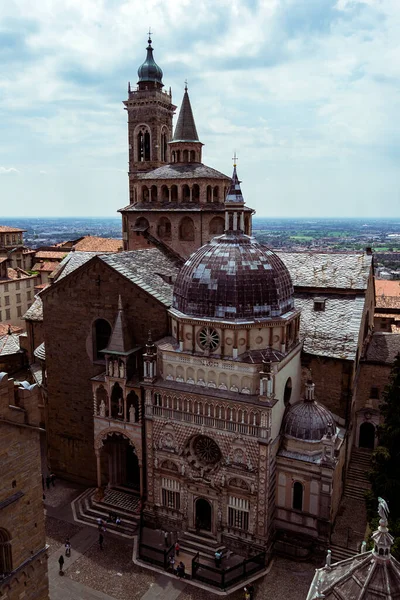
x=109, y=574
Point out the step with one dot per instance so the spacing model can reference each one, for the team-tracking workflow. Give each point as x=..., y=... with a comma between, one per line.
x=341, y=553
x=206, y=547
x=128, y=524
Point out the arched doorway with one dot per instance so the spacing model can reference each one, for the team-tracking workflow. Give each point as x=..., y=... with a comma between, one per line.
x=203, y=515
x=367, y=436
x=123, y=464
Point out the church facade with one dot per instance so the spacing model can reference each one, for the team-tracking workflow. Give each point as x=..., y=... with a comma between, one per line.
x=233, y=418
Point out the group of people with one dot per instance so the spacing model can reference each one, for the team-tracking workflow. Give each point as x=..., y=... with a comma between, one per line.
x=113, y=518
x=249, y=592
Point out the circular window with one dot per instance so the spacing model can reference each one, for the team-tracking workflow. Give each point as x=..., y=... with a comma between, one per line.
x=208, y=339
x=206, y=450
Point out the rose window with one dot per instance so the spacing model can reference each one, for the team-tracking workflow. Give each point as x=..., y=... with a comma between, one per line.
x=208, y=339
x=206, y=450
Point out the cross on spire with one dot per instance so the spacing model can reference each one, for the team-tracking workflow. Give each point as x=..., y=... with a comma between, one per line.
x=186, y=82
x=150, y=34
x=234, y=158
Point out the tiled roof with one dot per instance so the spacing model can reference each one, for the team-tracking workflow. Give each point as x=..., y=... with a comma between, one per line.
x=13, y=273
x=342, y=270
x=387, y=293
x=383, y=348
x=185, y=130
x=92, y=243
x=6, y=229
x=45, y=266
x=73, y=261
x=334, y=331
x=40, y=352
x=50, y=254
x=4, y=328
x=145, y=268
x=9, y=344
x=184, y=171
x=35, y=311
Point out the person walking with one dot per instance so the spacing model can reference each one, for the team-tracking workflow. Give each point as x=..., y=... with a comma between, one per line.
x=171, y=563
x=52, y=479
x=166, y=538
x=250, y=590
x=177, y=548
x=67, y=547
x=101, y=540
x=48, y=481
x=61, y=563
x=218, y=558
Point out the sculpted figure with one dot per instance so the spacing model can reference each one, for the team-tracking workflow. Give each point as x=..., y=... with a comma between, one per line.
x=102, y=408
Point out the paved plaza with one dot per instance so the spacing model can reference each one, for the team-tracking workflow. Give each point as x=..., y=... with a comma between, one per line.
x=92, y=573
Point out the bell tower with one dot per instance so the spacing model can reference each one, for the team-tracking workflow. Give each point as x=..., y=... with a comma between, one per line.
x=150, y=112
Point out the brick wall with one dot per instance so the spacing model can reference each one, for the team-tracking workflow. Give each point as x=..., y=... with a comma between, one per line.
x=70, y=309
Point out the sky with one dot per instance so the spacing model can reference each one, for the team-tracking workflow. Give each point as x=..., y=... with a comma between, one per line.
x=306, y=91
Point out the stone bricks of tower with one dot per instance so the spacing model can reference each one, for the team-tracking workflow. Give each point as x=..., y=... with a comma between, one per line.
x=175, y=199
x=23, y=557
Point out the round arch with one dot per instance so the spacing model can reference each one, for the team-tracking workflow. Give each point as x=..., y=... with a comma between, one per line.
x=217, y=226
x=101, y=332
x=186, y=229
x=164, y=228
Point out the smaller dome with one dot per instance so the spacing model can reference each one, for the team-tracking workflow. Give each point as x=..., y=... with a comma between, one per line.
x=149, y=70
x=308, y=421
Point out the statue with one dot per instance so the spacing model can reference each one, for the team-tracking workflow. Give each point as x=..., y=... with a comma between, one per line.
x=182, y=469
x=121, y=370
x=363, y=547
x=120, y=409
x=110, y=368
x=102, y=408
x=328, y=560
x=383, y=509
x=131, y=414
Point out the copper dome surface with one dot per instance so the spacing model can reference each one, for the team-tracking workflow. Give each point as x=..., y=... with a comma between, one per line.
x=233, y=277
x=308, y=420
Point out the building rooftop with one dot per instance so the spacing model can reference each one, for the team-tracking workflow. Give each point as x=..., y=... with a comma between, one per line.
x=6, y=229
x=387, y=294
x=184, y=171
x=46, y=266
x=5, y=327
x=50, y=254
x=340, y=270
x=383, y=348
x=9, y=344
x=35, y=311
x=91, y=243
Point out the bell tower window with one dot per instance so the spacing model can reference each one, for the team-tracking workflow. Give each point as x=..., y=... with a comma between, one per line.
x=143, y=146
x=164, y=146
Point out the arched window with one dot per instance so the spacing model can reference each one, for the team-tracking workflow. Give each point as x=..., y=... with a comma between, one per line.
x=216, y=194
x=145, y=193
x=209, y=193
x=195, y=193
x=164, y=146
x=185, y=156
x=102, y=398
x=174, y=193
x=178, y=156
x=142, y=223
x=297, y=495
x=102, y=332
x=132, y=405
x=154, y=193
x=217, y=226
x=192, y=156
x=117, y=402
x=164, y=193
x=5, y=553
x=185, y=193
x=143, y=145
x=164, y=228
x=186, y=229
x=288, y=391
x=173, y=157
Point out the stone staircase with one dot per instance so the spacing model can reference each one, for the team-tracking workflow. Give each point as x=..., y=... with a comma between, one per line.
x=357, y=482
x=351, y=519
x=206, y=546
x=87, y=510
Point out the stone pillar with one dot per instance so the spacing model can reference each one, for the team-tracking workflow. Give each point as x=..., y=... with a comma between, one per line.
x=242, y=221
x=226, y=221
x=98, y=463
x=190, y=194
x=126, y=417
x=235, y=219
x=193, y=339
x=141, y=479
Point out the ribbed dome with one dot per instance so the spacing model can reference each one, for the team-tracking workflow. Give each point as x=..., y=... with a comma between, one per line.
x=40, y=352
x=233, y=277
x=149, y=70
x=308, y=420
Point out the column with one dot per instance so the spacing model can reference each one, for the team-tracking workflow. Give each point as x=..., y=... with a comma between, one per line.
x=193, y=339
x=125, y=412
x=141, y=479
x=235, y=216
x=242, y=221
x=190, y=194
x=226, y=221
x=98, y=463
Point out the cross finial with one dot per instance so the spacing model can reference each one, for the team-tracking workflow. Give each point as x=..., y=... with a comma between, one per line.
x=186, y=85
x=234, y=159
x=150, y=33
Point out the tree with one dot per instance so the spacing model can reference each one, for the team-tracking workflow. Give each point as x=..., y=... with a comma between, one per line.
x=385, y=474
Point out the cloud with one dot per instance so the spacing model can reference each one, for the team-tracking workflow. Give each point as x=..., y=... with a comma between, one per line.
x=305, y=90
x=8, y=171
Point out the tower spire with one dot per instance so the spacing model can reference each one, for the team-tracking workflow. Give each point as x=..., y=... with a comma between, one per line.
x=234, y=204
x=185, y=130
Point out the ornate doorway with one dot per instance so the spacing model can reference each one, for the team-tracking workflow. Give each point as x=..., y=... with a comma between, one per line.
x=367, y=436
x=123, y=463
x=203, y=515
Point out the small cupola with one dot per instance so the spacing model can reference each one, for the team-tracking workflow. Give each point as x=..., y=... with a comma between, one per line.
x=185, y=146
x=149, y=73
x=383, y=541
x=234, y=205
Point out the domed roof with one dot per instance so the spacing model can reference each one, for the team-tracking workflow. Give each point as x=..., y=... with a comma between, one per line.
x=308, y=420
x=149, y=70
x=233, y=277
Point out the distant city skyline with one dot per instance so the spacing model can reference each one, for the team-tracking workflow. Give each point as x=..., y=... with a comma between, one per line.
x=306, y=92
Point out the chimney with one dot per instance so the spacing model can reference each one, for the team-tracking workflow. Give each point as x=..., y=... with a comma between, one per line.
x=368, y=251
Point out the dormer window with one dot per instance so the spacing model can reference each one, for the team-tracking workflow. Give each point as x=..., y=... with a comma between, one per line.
x=319, y=304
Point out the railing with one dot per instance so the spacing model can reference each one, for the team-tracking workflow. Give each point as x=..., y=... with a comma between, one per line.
x=225, y=578
x=208, y=421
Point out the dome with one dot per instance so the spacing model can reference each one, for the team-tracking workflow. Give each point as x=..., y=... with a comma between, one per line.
x=233, y=277
x=149, y=70
x=308, y=421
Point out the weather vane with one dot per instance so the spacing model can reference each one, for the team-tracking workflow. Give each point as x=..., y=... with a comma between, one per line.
x=150, y=34
x=186, y=82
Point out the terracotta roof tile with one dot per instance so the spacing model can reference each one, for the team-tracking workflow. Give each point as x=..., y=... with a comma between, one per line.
x=45, y=266
x=387, y=292
x=6, y=229
x=98, y=244
x=5, y=326
x=50, y=254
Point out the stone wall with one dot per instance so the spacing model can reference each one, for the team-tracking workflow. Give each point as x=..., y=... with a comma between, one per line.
x=70, y=309
x=21, y=503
